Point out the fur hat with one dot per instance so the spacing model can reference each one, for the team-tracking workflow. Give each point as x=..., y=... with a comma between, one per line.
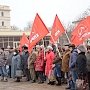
x=72, y=45
x=81, y=48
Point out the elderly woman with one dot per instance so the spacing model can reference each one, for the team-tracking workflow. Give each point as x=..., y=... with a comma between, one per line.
x=49, y=60
x=39, y=64
x=16, y=66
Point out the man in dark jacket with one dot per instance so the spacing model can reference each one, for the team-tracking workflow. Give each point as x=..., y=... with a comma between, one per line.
x=24, y=57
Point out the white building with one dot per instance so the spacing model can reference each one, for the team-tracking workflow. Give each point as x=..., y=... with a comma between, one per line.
x=4, y=18
x=9, y=36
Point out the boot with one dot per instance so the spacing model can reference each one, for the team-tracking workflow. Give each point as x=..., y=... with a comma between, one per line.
x=59, y=81
x=2, y=78
x=18, y=79
x=5, y=79
x=33, y=81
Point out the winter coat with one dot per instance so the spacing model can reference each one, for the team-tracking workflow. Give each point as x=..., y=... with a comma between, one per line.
x=81, y=63
x=65, y=61
x=16, y=65
x=73, y=58
x=31, y=60
x=88, y=61
x=3, y=58
x=49, y=61
x=24, y=58
x=39, y=62
x=57, y=68
x=10, y=58
x=57, y=60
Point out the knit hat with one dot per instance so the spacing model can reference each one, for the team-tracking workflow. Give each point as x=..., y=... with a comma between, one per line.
x=50, y=48
x=81, y=48
x=37, y=46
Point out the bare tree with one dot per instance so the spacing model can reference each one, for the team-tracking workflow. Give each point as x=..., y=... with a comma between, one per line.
x=29, y=25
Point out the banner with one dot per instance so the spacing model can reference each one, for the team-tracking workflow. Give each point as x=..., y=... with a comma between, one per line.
x=39, y=31
x=24, y=41
x=81, y=32
x=57, y=30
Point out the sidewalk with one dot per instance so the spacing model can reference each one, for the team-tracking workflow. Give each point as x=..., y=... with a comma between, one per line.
x=11, y=85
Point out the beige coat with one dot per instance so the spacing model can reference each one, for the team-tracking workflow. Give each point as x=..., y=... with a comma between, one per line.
x=65, y=61
x=31, y=60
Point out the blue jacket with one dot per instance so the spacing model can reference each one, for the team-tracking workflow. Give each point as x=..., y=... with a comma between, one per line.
x=73, y=58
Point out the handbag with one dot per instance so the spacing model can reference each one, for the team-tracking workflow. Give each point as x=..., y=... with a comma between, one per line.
x=81, y=85
x=51, y=76
x=19, y=73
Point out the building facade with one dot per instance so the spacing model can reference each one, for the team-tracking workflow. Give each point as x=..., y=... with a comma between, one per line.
x=4, y=18
x=10, y=37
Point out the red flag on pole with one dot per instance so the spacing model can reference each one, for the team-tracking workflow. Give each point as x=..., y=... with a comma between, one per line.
x=24, y=41
x=81, y=32
x=39, y=30
x=57, y=30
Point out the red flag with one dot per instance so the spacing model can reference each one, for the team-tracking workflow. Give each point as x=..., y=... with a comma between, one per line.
x=30, y=48
x=83, y=28
x=57, y=30
x=76, y=40
x=24, y=41
x=38, y=31
x=82, y=31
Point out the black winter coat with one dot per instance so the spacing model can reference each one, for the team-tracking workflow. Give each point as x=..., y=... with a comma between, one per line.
x=81, y=63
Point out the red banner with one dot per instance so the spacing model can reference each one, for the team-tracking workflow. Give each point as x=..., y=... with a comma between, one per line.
x=82, y=31
x=76, y=40
x=57, y=30
x=39, y=31
x=24, y=41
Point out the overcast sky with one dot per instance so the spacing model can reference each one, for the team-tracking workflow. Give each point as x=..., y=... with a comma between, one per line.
x=24, y=11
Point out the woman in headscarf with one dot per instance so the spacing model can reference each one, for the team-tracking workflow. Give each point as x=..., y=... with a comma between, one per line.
x=39, y=64
x=49, y=60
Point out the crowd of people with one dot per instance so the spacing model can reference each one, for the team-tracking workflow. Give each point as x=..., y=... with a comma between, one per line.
x=55, y=65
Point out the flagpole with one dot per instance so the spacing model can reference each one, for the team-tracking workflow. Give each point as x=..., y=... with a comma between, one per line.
x=43, y=46
x=67, y=37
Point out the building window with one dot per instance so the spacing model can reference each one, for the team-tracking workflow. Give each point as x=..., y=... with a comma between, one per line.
x=2, y=14
x=2, y=23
